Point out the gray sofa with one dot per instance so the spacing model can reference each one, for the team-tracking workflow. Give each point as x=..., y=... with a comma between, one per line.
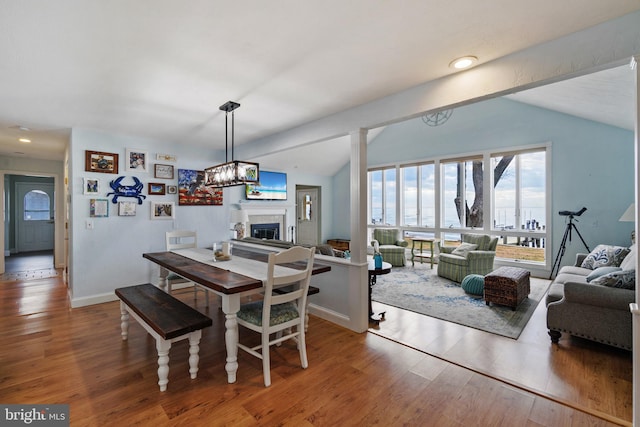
x=592, y=311
x=322, y=249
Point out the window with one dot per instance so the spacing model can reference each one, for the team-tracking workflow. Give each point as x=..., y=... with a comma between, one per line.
x=410, y=211
x=519, y=208
x=427, y=195
x=382, y=196
x=418, y=195
x=461, y=180
x=502, y=194
x=37, y=206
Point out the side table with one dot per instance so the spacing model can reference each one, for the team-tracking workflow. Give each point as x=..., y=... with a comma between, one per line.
x=373, y=273
x=421, y=241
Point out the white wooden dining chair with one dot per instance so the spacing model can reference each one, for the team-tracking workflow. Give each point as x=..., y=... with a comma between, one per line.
x=183, y=239
x=282, y=315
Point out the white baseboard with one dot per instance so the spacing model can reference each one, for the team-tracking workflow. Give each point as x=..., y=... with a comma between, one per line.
x=92, y=300
x=108, y=297
x=332, y=316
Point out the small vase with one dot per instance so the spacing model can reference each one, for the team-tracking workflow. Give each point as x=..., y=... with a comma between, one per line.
x=377, y=261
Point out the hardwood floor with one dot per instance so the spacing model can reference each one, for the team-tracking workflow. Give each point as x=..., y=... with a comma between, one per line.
x=592, y=377
x=26, y=261
x=55, y=354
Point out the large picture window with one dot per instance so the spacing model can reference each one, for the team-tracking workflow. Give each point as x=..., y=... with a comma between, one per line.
x=520, y=203
x=461, y=181
x=382, y=196
x=502, y=194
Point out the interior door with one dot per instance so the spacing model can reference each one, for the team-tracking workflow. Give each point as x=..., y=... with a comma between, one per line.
x=35, y=221
x=308, y=210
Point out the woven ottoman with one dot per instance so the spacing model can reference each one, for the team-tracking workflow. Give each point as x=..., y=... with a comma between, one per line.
x=507, y=286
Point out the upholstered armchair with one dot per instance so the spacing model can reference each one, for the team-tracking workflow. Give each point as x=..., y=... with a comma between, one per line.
x=391, y=245
x=475, y=255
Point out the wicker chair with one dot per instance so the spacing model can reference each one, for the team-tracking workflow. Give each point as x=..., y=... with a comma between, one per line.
x=479, y=261
x=391, y=245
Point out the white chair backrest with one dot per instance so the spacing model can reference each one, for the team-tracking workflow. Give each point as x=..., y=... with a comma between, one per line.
x=299, y=280
x=181, y=239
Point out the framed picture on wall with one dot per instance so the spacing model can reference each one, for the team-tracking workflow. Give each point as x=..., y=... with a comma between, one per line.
x=98, y=161
x=192, y=192
x=137, y=160
x=163, y=171
x=127, y=208
x=91, y=186
x=172, y=189
x=157, y=189
x=166, y=157
x=99, y=208
x=162, y=210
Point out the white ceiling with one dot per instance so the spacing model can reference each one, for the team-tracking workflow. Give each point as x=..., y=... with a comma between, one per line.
x=161, y=68
x=606, y=96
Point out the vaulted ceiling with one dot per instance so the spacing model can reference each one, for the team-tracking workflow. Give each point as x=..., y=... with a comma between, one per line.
x=160, y=69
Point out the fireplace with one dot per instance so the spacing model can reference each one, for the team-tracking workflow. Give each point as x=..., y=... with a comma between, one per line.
x=266, y=231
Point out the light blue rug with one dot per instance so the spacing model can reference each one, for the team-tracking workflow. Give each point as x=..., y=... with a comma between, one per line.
x=419, y=289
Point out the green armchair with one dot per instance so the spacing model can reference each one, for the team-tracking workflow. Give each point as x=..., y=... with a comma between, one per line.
x=456, y=266
x=391, y=245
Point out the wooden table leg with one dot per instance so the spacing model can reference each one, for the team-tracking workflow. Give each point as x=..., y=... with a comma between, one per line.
x=431, y=249
x=230, y=307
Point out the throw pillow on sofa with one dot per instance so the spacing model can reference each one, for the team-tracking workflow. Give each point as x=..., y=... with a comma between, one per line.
x=464, y=249
x=629, y=262
x=601, y=271
x=625, y=279
x=605, y=256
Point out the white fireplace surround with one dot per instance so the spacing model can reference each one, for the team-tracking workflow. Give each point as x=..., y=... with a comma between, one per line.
x=268, y=215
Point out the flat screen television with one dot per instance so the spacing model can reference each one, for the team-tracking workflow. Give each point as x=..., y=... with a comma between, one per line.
x=272, y=186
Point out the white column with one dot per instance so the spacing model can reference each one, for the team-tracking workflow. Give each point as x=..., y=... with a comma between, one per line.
x=634, y=307
x=359, y=224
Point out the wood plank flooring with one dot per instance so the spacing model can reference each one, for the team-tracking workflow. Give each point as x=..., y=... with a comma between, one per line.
x=592, y=377
x=55, y=354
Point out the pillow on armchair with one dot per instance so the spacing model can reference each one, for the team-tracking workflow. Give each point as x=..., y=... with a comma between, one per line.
x=463, y=249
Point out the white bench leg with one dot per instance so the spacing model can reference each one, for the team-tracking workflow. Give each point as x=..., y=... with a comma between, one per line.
x=194, y=349
x=163, y=348
x=124, y=321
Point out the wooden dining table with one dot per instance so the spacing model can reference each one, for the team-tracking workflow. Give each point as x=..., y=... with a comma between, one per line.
x=230, y=285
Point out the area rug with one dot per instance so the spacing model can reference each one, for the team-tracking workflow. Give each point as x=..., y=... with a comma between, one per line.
x=421, y=290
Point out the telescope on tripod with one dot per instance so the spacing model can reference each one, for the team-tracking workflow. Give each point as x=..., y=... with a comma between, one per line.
x=567, y=234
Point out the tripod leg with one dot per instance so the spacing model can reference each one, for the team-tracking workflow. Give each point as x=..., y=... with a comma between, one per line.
x=580, y=235
x=563, y=246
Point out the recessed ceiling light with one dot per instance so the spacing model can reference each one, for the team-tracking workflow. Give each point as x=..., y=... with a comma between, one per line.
x=25, y=140
x=464, y=62
x=24, y=128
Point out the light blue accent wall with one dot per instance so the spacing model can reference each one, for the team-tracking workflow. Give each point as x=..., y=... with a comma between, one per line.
x=592, y=163
x=110, y=255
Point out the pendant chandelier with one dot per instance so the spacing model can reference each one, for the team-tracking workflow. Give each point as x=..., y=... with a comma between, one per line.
x=234, y=172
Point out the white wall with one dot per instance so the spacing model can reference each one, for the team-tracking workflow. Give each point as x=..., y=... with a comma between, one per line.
x=110, y=255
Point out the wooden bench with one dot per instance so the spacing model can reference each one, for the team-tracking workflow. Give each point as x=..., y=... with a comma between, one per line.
x=167, y=319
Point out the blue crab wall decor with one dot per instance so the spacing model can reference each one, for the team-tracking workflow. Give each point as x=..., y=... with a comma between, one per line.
x=120, y=190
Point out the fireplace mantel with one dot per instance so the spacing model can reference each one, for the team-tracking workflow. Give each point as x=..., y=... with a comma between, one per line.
x=260, y=214
x=266, y=210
